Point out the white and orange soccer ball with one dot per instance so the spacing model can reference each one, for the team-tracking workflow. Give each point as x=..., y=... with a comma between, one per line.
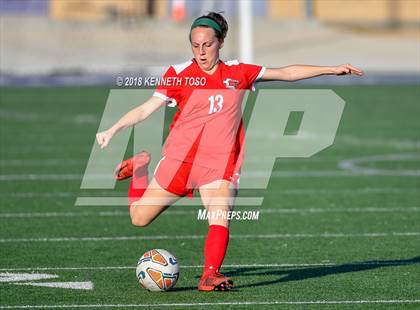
x=157, y=270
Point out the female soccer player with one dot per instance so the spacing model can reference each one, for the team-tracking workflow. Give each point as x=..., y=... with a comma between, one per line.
x=204, y=148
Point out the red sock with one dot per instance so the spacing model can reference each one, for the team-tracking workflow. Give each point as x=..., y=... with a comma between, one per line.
x=215, y=247
x=138, y=185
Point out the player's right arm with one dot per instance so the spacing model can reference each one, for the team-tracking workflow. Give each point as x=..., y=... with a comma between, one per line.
x=132, y=118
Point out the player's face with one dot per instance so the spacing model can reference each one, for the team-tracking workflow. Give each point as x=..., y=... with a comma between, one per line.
x=205, y=47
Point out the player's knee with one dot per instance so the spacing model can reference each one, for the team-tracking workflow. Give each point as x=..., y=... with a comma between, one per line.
x=137, y=218
x=139, y=221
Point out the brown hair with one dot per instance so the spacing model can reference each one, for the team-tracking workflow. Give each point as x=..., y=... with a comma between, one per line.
x=218, y=18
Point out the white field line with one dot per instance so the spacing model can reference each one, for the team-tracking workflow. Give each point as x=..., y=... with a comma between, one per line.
x=17, y=277
x=41, y=162
x=195, y=201
x=40, y=177
x=195, y=212
x=285, y=265
x=31, y=195
x=71, y=161
x=36, y=117
x=74, y=162
x=356, y=164
x=339, y=210
x=189, y=237
x=367, y=190
x=346, y=140
x=86, y=285
x=212, y=304
x=253, y=174
x=375, y=142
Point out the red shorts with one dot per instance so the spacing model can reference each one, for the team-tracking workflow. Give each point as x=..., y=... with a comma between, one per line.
x=181, y=178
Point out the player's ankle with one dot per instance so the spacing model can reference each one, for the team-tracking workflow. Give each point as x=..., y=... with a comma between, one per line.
x=208, y=271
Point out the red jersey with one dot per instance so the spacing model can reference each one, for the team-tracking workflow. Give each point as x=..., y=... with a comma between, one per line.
x=207, y=129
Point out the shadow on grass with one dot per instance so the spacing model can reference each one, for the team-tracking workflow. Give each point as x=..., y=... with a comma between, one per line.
x=182, y=289
x=286, y=274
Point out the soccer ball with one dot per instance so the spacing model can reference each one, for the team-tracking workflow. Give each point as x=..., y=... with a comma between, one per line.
x=157, y=270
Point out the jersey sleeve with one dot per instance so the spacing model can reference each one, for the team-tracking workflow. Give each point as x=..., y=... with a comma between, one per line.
x=169, y=93
x=252, y=74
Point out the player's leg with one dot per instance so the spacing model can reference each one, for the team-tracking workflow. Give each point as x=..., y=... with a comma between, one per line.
x=218, y=198
x=152, y=203
x=167, y=186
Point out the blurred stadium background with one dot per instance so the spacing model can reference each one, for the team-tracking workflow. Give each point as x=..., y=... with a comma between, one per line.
x=91, y=41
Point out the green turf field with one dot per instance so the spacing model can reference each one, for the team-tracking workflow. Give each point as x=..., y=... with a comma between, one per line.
x=326, y=238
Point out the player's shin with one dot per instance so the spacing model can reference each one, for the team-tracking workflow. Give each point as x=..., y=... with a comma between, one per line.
x=215, y=247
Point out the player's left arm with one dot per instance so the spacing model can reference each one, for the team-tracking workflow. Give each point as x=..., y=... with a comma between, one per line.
x=300, y=72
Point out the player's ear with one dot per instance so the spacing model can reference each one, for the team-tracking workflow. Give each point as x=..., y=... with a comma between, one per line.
x=221, y=43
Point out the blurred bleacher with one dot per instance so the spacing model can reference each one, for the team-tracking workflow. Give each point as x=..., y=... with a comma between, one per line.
x=61, y=42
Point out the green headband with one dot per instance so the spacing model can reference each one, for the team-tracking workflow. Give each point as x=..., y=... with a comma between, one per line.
x=206, y=21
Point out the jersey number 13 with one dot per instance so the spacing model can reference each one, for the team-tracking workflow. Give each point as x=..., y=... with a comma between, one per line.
x=216, y=104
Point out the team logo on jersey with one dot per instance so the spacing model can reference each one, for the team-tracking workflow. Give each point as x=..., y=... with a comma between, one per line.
x=229, y=83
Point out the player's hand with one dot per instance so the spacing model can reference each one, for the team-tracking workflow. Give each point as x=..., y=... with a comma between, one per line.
x=103, y=138
x=347, y=69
